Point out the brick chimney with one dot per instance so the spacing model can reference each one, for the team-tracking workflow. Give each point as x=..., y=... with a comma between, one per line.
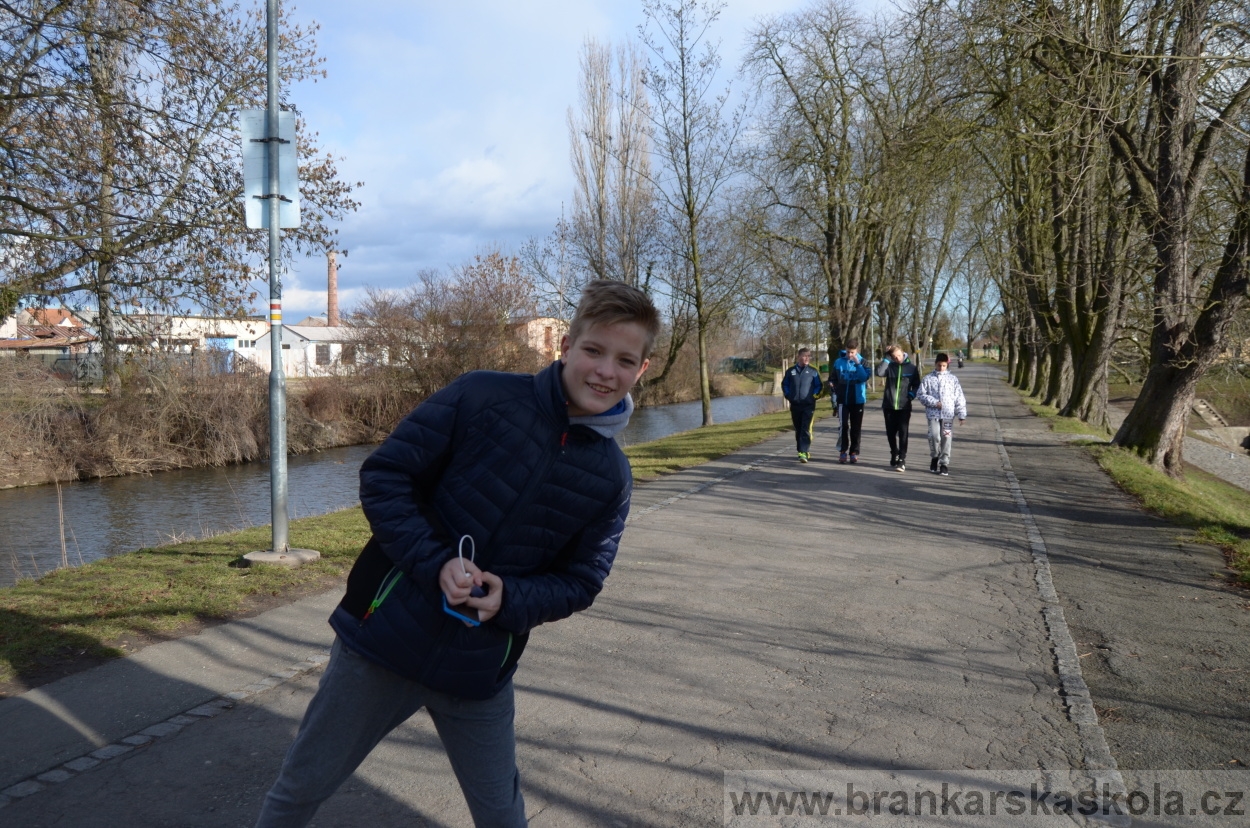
x=332, y=289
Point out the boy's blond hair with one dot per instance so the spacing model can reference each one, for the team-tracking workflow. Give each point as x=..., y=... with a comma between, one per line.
x=608, y=302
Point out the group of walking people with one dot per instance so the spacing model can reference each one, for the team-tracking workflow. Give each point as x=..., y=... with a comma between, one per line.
x=939, y=392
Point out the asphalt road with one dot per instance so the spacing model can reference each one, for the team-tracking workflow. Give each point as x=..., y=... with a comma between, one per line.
x=764, y=617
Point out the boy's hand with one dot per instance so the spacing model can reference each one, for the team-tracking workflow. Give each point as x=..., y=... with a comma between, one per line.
x=458, y=577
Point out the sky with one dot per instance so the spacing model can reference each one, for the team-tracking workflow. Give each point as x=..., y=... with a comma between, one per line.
x=454, y=116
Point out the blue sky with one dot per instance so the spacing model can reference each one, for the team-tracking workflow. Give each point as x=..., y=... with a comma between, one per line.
x=454, y=117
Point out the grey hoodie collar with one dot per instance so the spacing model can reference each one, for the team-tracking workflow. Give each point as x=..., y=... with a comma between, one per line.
x=611, y=422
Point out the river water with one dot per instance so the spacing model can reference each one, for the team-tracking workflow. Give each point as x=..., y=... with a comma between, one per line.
x=120, y=514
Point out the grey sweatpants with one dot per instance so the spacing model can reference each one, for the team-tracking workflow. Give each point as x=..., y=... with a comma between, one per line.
x=357, y=703
x=941, y=433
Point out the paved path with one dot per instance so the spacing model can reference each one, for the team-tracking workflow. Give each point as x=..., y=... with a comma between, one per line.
x=763, y=616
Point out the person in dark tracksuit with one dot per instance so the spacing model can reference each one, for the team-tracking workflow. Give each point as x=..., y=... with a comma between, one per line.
x=851, y=374
x=802, y=387
x=901, y=382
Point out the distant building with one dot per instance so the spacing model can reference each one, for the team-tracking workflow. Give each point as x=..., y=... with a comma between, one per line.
x=51, y=335
x=311, y=350
x=543, y=334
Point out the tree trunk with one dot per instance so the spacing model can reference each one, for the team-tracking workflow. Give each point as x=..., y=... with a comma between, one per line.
x=1155, y=428
x=1059, y=381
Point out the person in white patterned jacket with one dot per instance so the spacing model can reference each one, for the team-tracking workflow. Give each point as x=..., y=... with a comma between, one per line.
x=943, y=399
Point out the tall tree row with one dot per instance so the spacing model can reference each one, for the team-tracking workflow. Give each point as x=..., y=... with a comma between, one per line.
x=1070, y=173
x=1115, y=131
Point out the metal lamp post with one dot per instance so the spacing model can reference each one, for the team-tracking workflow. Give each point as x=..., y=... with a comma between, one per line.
x=276, y=158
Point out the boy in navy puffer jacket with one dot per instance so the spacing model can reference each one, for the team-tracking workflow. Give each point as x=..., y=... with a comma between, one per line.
x=497, y=505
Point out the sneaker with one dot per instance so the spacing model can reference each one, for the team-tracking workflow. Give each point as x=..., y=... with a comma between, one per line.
x=842, y=457
x=802, y=457
x=902, y=467
x=854, y=458
x=933, y=465
x=945, y=472
x=893, y=462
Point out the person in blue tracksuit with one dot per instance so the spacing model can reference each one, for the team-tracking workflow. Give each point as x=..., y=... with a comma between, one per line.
x=801, y=386
x=851, y=373
x=497, y=505
x=901, y=383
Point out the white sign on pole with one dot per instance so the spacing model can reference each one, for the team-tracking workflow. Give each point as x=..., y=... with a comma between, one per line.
x=256, y=170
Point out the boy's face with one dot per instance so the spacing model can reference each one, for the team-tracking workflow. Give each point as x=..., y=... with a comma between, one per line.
x=940, y=367
x=851, y=353
x=601, y=366
x=804, y=358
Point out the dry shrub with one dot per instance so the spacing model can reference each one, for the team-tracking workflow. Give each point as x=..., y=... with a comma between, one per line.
x=172, y=413
x=39, y=414
x=364, y=407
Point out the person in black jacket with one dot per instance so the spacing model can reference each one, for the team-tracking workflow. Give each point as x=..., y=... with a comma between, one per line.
x=901, y=381
x=801, y=386
x=497, y=505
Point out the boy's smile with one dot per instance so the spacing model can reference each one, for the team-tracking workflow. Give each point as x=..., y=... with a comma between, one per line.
x=601, y=366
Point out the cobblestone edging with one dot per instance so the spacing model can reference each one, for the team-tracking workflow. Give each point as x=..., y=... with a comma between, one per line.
x=143, y=738
x=1096, y=753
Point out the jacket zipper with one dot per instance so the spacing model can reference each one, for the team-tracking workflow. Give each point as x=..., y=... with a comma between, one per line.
x=384, y=589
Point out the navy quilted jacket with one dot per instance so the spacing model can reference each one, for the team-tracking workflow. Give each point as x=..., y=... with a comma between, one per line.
x=493, y=456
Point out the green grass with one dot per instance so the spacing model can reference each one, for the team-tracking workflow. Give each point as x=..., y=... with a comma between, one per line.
x=1218, y=512
x=1063, y=425
x=99, y=610
x=80, y=616
x=690, y=448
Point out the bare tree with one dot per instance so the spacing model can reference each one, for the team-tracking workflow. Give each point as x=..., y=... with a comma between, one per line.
x=124, y=183
x=446, y=324
x=1193, y=58
x=694, y=134
x=613, y=222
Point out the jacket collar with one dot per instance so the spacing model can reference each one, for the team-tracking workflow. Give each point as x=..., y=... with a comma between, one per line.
x=551, y=399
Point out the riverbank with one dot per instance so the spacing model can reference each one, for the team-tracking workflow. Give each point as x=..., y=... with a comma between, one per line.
x=53, y=431
x=60, y=438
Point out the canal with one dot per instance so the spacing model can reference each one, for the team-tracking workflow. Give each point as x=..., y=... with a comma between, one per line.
x=120, y=514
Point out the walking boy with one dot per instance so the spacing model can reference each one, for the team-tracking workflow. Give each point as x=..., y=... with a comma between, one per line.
x=943, y=399
x=801, y=386
x=901, y=382
x=496, y=506
x=852, y=374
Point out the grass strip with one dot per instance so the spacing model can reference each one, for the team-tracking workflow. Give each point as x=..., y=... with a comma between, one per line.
x=691, y=448
x=1217, y=511
x=89, y=613
x=80, y=616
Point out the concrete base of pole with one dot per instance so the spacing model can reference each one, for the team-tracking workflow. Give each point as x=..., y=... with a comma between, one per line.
x=291, y=557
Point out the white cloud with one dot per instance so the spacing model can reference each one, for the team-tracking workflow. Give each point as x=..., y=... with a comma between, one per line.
x=454, y=117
